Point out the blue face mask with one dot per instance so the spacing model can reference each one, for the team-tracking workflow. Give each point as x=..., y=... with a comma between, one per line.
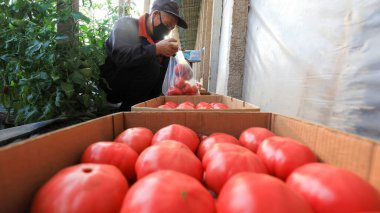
x=160, y=31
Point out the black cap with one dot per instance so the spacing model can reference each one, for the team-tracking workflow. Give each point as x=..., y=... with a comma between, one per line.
x=169, y=6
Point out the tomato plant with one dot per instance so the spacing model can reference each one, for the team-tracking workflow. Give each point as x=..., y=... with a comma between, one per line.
x=48, y=72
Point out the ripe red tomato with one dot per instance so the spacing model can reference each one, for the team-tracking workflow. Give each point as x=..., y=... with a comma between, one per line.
x=171, y=104
x=187, y=89
x=213, y=152
x=169, y=155
x=252, y=137
x=283, y=155
x=189, y=103
x=184, y=106
x=195, y=89
x=179, y=133
x=208, y=142
x=224, y=164
x=252, y=192
x=168, y=191
x=219, y=106
x=138, y=138
x=184, y=71
x=82, y=188
x=174, y=91
x=118, y=154
x=203, y=105
x=179, y=82
x=179, y=70
x=331, y=189
x=165, y=107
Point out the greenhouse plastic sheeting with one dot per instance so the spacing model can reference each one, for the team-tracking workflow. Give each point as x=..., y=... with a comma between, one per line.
x=318, y=60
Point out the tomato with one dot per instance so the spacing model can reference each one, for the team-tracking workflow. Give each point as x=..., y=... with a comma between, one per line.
x=252, y=137
x=169, y=192
x=118, y=154
x=224, y=164
x=82, y=188
x=187, y=89
x=174, y=91
x=138, y=138
x=219, y=106
x=252, y=192
x=179, y=70
x=222, y=147
x=283, y=155
x=171, y=104
x=179, y=82
x=183, y=70
x=169, y=155
x=184, y=106
x=208, y=142
x=179, y=133
x=165, y=107
x=331, y=189
x=203, y=105
x=189, y=103
x=195, y=89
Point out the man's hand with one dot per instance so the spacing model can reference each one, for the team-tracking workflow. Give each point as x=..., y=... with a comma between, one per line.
x=167, y=47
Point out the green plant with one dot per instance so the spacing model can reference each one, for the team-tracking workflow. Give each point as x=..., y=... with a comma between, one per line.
x=47, y=73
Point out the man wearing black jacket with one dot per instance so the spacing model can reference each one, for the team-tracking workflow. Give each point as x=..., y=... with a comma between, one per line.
x=138, y=55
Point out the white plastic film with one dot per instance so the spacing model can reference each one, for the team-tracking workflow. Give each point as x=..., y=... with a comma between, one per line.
x=317, y=60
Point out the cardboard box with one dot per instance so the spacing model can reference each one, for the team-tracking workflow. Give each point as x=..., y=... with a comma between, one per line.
x=234, y=105
x=27, y=165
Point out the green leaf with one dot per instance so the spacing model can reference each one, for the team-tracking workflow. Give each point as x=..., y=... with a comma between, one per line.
x=5, y=57
x=58, y=99
x=80, y=16
x=44, y=76
x=86, y=101
x=77, y=77
x=31, y=114
x=86, y=72
x=35, y=47
x=68, y=89
x=30, y=98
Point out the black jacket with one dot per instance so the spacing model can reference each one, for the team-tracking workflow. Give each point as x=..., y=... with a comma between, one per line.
x=132, y=72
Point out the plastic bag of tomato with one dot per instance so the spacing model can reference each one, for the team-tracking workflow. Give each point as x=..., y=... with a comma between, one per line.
x=177, y=170
x=179, y=78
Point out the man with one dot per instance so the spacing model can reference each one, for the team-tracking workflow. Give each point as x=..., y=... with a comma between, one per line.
x=138, y=55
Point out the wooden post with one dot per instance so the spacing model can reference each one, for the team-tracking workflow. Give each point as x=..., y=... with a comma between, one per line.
x=67, y=28
x=146, y=6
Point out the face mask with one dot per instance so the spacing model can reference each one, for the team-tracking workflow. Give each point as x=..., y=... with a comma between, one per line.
x=159, y=31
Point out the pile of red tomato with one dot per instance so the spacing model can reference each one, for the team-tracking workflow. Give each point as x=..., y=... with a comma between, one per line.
x=191, y=105
x=180, y=84
x=176, y=170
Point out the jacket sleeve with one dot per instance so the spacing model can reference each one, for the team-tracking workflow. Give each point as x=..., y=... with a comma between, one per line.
x=124, y=46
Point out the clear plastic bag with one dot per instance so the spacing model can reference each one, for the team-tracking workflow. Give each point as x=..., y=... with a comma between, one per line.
x=179, y=78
